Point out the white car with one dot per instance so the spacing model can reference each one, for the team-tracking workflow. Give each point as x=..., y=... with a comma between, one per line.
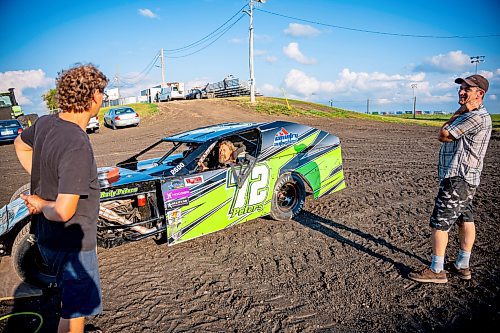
x=93, y=125
x=120, y=117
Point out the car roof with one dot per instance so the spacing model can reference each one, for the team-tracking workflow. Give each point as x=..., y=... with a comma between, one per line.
x=204, y=134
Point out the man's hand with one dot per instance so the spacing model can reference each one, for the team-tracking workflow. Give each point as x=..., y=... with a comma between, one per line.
x=61, y=210
x=34, y=203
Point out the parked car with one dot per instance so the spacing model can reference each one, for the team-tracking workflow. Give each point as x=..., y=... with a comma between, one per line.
x=93, y=125
x=173, y=90
x=197, y=93
x=120, y=117
x=9, y=130
x=177, y=189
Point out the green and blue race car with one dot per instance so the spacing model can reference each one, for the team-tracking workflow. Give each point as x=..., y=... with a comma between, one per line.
x=178, y=188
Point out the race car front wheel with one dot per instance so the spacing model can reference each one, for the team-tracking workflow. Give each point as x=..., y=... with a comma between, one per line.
x=288, y=197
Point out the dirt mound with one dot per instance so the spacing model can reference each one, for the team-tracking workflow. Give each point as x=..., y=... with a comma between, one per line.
x=340, y=266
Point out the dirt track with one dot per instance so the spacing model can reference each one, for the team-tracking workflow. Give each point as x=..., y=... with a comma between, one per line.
x=340, y=266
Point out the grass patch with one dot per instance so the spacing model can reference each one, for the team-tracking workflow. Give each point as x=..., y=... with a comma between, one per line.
x=278, y=106
x=143, y=109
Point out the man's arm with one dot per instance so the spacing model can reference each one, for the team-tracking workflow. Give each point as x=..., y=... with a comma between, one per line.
x=61, y=210
x=24, y=153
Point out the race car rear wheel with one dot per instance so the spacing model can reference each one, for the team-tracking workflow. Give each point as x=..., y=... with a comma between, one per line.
x=27, y=261
x=288, y=197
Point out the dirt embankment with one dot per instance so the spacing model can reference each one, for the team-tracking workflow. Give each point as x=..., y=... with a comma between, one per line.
x=340, y=266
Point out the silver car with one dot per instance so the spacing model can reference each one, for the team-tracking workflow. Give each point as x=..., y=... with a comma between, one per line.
x=120, y=117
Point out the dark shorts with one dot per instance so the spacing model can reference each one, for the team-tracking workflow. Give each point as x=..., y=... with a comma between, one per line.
x=453, y=204
x=78, y=279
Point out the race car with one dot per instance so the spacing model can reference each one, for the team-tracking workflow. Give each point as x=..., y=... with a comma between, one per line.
x=179, y=189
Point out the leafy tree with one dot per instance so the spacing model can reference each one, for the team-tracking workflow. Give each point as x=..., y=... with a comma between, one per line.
x=50, y=99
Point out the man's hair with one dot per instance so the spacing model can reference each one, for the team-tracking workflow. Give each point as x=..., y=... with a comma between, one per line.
x=77, y=85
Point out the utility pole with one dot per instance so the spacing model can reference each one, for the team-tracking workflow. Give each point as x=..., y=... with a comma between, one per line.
x=413, y=86
x=476, y=60
x=368, y=106
x=162, y=69
x=118, y=84
x=250, y=61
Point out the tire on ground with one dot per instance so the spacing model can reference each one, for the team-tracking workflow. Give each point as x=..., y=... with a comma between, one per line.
x=288, y=197
x=27, y=261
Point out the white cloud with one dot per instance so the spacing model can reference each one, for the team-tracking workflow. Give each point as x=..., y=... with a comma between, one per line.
x=292, y=51
x=147, y=13
x=452, y=62
x=259, y=52
x=269, y=90
x=348, y=83
x=197, y=82
x=492, y=97
x=270, y=59
x=301, y=30
x=22, y=80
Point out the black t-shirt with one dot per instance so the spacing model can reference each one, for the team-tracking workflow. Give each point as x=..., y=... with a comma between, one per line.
x=63, y=162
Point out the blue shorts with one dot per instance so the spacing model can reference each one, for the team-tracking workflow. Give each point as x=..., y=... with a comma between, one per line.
x=77, y=276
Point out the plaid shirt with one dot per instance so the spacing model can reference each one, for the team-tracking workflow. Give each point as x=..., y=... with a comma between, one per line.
x=464, y=156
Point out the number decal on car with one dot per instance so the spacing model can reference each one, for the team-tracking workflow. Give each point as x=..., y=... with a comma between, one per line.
x=251, y=196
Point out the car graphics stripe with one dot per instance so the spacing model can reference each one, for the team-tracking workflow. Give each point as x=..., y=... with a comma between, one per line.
x=183, y=231
x=330, y=182
x=272, y=152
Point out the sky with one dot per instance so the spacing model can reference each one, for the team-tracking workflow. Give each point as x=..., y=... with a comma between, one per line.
x=342, y=53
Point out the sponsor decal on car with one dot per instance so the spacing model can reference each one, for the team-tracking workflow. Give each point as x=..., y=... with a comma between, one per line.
x=191, y=181
x=118, y=192
x=284, y=137
x=174, y=221
x=177, y=168
x=177, y=203
x=175, y=183
x=177, y=194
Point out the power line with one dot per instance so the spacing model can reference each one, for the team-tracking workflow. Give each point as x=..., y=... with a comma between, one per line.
x=375, y=32
x=147, y=68
x=206, y=37
x=220, y=34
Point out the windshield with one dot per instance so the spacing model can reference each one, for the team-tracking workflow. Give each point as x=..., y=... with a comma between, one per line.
x=161, y=153
x=5, y=101
x=124, y=111
x=9, y=123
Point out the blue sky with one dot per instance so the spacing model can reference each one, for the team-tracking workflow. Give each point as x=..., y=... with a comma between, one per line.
x=309, y=61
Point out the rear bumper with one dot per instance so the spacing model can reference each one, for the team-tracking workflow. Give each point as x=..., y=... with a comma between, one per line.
x=127, y=122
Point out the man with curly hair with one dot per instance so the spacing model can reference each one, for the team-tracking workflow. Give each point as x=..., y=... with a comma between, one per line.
x=64, y=198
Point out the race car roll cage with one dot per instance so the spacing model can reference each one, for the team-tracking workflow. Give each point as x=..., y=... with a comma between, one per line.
x=205, y=148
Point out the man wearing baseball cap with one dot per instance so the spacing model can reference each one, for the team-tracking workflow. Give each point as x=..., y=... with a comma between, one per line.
x=464, y=140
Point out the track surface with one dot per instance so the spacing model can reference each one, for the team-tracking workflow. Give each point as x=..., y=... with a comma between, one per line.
x=340, y=266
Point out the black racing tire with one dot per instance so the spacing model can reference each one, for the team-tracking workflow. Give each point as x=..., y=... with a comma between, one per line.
x=25, y=189
x=27, y=261
x=288, y=197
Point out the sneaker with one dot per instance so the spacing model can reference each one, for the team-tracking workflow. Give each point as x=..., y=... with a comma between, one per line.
x=463, y=273
x=427, y=275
